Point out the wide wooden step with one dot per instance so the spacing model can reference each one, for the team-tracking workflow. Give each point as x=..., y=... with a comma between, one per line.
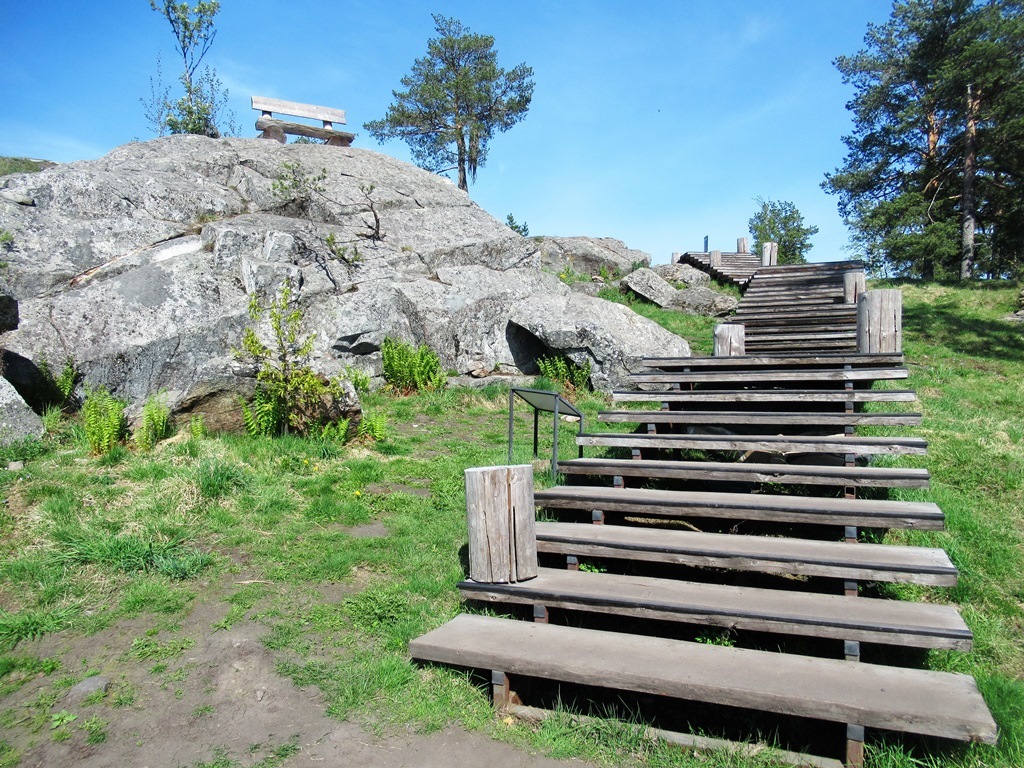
x=747, y=472
x=894, y=622
x=770, y=375
x=745, y=362
x=861, y=446
x=762, y=554
x=789, y=396
x=744, y=506
x=782, y=419
x=917, y=701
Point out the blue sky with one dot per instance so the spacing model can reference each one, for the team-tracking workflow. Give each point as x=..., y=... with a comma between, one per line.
x=653, y=122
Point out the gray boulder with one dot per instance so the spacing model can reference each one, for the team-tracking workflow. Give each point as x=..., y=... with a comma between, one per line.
x=141, y=267
x=588, y=255
x=683, y=274
x=646, y=284
x=609, y=336
x=17, y=420
x=704, y=301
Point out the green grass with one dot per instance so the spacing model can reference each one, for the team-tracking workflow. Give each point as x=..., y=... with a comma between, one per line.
x=22, y=165
x=86, y=543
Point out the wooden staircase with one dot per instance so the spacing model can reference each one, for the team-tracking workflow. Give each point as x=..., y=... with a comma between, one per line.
x=800, y=306
x=763, y=443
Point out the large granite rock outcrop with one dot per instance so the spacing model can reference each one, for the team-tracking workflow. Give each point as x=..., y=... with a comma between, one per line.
x=589, y=255
x=140, y=266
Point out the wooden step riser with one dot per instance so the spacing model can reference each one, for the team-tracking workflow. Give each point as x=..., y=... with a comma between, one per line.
x=737, y=511
x=842, y=571
x=916, y=701
x=854, y=445
x=767, y=375
x=809, y=420
x=915, y=625
x=858, y=477
x=767, y=396
x=797, y=361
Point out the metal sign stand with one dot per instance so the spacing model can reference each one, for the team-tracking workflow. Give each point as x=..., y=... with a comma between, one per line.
x=549, y=402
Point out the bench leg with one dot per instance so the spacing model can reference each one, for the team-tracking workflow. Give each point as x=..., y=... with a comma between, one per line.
x=503, y=695
x=540, y=614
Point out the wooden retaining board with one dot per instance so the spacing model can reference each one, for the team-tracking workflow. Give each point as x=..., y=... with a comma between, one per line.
x=772, y=418
x=894, y=622
x=870, y=513
x=761, y=554
x=769, y=396
x=862, y=446
x=748, y=472
x=773, y=361
x=767, y=375
x=917, y=701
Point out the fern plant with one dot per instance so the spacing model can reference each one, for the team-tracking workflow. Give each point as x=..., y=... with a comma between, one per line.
x=374, y=427
x=408, y=368
x=154, y=425
x=103, y=420
x=567, y=373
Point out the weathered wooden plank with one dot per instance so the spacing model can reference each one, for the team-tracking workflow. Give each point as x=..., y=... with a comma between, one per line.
x=762, y=554
x=917, y=701
x=271, y=125
x=865, y=446
x=774, y=361
x=745, y=506
x=809, y=419
x=747, y=472
x=500, y=517
x=294, y=108
x=764, y=374
x=769, y=396
x=895, y=622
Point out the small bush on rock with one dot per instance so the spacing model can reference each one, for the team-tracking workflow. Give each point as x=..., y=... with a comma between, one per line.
x=408, y=369
x=290, y=396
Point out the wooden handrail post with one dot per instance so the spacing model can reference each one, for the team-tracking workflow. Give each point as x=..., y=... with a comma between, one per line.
x=676, y=257
x=880, y=321
x=769, y=254
x=742, y=245
x=715, y=259
x=730, y=340
x=502, y=528
x=853, y=285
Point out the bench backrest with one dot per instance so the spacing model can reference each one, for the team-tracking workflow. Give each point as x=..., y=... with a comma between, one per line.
x=311, y=111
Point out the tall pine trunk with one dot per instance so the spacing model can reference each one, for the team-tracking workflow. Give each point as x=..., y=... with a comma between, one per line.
x=968, y=204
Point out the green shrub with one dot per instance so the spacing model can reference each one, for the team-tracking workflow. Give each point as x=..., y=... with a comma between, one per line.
x=103, y=420
x=197, y=427
x=565, y=372
x=359, y=378
x=408, y=369
x=59, y=389
x=374, y=426
x=290, y=396
x=155, y=424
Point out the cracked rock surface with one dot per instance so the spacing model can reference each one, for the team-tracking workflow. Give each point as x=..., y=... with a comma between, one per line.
x=140, y=267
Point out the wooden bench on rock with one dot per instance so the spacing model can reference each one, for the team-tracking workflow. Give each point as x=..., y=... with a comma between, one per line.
x=274, y=128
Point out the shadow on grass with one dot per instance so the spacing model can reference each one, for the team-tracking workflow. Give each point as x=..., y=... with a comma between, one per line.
x=993, y=339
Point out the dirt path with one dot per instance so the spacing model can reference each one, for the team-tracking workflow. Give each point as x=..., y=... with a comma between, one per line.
x=220, y=703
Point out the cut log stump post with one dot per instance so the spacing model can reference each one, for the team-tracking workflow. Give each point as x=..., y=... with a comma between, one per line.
x=715, y=259
x=880, y=321
x=769, y=254
x=730, y=340
x=502, y=528
x=677, y=257
x=853, y=285
x=742, y=245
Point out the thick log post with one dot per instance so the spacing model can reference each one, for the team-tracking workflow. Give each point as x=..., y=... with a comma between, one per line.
x=853, y=285
x=676, y=257
x=730, y=340
x=742, y=245
x=880, y=321
x=769, y=254
x=502, y=529
x=716, y=259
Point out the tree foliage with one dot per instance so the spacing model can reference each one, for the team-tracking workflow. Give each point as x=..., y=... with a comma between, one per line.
x=203, y=103
x=779, y=221
x=455, y=99
x=933, y=181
